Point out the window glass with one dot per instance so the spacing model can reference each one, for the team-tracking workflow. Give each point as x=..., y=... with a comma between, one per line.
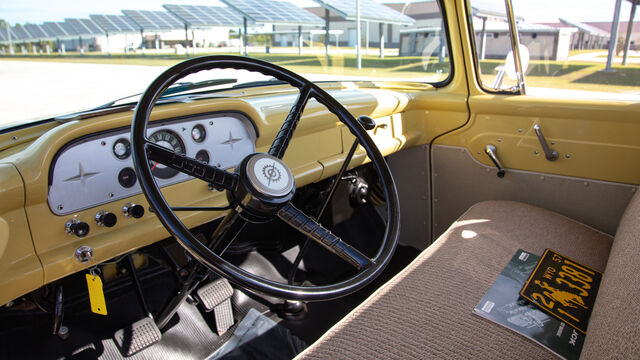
x=567, y=43
x=399, y=41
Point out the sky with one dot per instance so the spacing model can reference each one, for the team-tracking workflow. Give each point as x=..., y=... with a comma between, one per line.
x=38, y=11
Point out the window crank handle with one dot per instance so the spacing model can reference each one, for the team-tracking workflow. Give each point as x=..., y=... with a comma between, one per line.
x=492, y=152
x=551, y=155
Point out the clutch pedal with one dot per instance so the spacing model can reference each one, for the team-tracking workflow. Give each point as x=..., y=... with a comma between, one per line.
x=137, y=336
x=216, y=296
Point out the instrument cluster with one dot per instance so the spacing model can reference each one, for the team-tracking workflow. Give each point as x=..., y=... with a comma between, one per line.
x=98, y=169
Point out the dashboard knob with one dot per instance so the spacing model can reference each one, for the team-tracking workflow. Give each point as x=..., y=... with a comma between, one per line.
x=77, y=228
x=105, y=218
x=133, y=210
x=367, y=122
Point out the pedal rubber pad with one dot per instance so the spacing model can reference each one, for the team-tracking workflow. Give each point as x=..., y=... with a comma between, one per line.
x=216, y=296
x=137, y=336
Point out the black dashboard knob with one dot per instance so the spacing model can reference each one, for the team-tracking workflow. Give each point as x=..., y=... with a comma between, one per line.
x=77, y=228
x=105, y=218
x=133, y=210
x=367, y=122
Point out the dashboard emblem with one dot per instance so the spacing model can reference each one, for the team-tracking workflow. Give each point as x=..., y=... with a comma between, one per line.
x=82, y=175
x=271, y=173
x=231, y=140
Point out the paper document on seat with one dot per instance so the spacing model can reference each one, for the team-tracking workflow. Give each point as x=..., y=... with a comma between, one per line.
x=503, y=305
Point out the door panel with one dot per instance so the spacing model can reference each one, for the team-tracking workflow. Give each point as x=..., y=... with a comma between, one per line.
x=592, y=181
x=460, y=181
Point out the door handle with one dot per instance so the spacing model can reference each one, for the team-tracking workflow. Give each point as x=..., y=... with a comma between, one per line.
x=551, y=155
x=492, y=152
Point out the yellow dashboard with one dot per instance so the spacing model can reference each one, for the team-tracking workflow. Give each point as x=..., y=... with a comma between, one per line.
x=48, y=189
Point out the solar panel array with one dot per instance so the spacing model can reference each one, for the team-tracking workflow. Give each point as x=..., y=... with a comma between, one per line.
x=369, y=11
x=67, y=28
x=114, y=24
x=36, y=31
x=154, y=20
x=19, y=33
x=195, y=16
x=54, y=29
x=273, y=12
x=3, y=36
x=84, y=27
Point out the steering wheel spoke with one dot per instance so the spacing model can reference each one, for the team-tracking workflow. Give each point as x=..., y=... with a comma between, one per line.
x=281, y=142
x=191, y=166
x=312, y=229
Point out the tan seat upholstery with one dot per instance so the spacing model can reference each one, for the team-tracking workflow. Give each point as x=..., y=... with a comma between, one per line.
x=426, y=310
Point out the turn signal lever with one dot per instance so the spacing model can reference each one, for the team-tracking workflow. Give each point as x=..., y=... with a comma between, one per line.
x=492, y=152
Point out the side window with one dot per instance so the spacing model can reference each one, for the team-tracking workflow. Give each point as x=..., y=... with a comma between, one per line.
x=566, y=47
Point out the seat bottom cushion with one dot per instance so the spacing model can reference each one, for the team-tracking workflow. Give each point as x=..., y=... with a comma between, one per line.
x=426, y=311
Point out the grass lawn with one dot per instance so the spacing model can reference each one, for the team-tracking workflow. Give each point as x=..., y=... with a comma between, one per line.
x=574, y=75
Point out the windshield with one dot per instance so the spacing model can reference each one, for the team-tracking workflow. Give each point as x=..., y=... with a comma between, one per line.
x=77, y=55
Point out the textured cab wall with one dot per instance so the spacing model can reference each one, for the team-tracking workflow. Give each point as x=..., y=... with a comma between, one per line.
x=20, y=268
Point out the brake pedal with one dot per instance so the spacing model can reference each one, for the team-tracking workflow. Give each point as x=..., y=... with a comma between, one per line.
x=137, y=336
x=216, y=296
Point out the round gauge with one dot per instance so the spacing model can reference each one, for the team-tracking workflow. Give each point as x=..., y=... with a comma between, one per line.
x=203, y=156
x=170, y=140
x=198, y=133
x=127, y=177
x=122, y=148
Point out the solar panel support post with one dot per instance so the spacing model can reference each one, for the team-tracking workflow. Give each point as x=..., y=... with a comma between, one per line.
x=193, y=42
x=48, y=47
x=443, y=46
x=613, y=38
x=143, y=44
x=186, y=40
x=326, y=35
x=366, y=37
x=358, y=37
x=108, y=45
x=246, y=45
x=381, y=31
x=33, y=47
x=157, y=43
x=299, y=40
x=240, y=41
x=627, y=40
x=483, y=38
x=9, y=39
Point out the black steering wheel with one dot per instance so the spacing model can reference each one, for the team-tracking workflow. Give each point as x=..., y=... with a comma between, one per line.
x=262, y=186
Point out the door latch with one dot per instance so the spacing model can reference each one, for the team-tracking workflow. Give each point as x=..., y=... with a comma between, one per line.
x=551, y=155
x=492, y=152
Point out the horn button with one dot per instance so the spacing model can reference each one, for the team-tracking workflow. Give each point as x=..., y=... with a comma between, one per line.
x=266, y=184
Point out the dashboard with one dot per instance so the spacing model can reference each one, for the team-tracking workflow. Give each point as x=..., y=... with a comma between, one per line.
x=98, y=169
x=68, y=186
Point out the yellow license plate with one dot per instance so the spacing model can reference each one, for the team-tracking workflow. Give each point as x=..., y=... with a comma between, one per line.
x=563, y=288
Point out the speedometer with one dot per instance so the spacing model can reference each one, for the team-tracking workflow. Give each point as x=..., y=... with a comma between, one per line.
x=172, y=141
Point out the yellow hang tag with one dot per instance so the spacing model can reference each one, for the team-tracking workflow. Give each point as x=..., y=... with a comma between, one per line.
x=96, y=295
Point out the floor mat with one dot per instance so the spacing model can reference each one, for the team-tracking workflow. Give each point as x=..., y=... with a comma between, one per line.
x=189, y=338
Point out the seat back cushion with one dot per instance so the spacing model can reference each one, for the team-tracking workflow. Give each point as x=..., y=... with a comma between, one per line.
x=614, y=328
